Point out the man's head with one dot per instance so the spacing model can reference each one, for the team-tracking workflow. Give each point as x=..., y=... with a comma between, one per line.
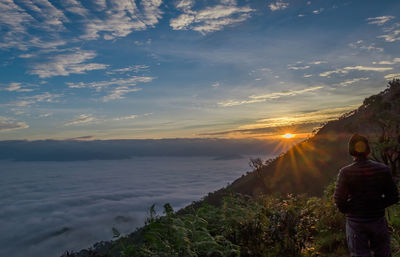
x=359, y=146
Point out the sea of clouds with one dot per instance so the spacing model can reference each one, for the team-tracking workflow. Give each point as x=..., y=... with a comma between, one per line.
x=49, y=207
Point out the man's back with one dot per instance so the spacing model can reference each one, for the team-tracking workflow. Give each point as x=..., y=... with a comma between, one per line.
x=364, y=189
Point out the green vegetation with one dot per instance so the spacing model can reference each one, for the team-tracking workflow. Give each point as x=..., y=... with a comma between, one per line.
x=268, y=226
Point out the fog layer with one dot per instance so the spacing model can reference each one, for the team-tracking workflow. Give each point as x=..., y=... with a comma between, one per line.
x=50, y=207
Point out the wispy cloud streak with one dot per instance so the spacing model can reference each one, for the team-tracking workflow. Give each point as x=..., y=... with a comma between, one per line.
x=393, y=61
x=99, y=85
x=65, y=64
x=265, y=97
x=80, y=120
x=381, y=20
x=16, y=87
x=352, y=81
x=121, y=86
x=346, y=70
x=45, y=97
x=7, y=124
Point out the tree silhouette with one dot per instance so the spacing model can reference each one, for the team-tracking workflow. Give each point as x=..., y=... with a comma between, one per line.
x=385, y=113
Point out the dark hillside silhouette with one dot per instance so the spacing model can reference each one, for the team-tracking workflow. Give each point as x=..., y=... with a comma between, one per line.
x=311, y=165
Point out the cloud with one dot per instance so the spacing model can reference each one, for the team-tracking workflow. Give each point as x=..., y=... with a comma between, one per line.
x=328, y=73
x=346, y=70
x=73, y=6
x=122, y=18
x=392, y=33
x=27, y=23
x=351, y=81
x=230, y=103
x=25, y=56
x=381, y=20
x=18, y=19
x=215, y=84
x=65, y=64
x=45, y=115
x=132, y=68
x=85, y=119
x=46, y=45
x=16, y=87
x=80, y=120
x=307, y=76
x=44, y=97
x=17, y=111
x=366, y=68
x=142, y=43
x=264, y=97
x=320, y=10
x=317, y=62
x=392, y=76
x=278, y=5
x=287, y=93
x=99, y=85
x=7, y=124
x=306, y=117
x=210, y=19
x=264, y=131
x=14, y=18
x=185, y=5
x=394, y=61
x=391, y=36
x=129, y=117
x=28, y=100
x=152, y=12
x=298, y=67
x=21, y=103
x=119, y=92
x=359, y=45
x=123, y=86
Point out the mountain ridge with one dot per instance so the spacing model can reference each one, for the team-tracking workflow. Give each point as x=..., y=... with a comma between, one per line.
x=314, y=162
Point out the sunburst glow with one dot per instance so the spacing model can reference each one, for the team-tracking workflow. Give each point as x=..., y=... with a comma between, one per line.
x=288, y=135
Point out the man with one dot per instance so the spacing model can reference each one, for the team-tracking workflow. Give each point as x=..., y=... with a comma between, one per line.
x=363, y=190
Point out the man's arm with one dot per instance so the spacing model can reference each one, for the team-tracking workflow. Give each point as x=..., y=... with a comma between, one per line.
x=341, y=193
x=390, y=190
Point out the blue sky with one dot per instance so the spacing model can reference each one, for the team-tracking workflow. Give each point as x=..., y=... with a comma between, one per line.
x=164, y=69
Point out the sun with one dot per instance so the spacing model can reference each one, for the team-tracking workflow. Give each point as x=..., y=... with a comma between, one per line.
x=288, y=135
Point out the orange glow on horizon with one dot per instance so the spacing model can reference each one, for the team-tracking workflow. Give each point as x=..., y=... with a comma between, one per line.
x=288, y=135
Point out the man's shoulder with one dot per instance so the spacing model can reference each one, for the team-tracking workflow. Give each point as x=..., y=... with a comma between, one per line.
x=378, y=164
x=368, y=165
x=347, y=168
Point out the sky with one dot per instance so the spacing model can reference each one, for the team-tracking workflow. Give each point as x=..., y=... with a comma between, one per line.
x=102, y=69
